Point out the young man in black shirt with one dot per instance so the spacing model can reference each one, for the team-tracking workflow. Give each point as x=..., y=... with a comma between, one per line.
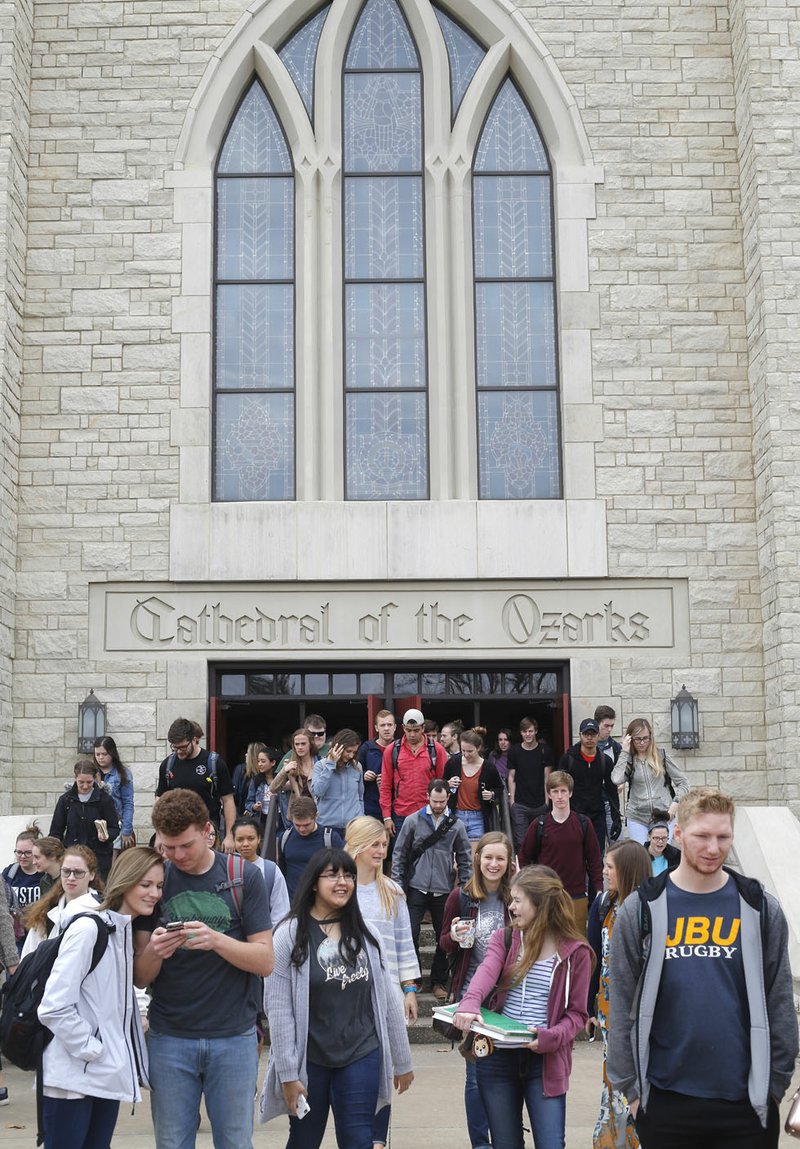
x=528, y=766
x=189, y=767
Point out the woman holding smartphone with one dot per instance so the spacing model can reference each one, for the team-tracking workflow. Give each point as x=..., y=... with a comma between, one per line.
x=338, y=1035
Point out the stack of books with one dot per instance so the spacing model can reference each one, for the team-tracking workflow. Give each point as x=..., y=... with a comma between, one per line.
x=504, y=1031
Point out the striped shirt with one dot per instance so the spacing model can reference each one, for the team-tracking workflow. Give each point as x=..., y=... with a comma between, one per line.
x=527, y=1002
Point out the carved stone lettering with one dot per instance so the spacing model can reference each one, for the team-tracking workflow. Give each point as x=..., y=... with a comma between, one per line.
x=459, y=617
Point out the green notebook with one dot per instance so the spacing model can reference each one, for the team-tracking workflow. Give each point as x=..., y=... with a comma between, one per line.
x=491, y=1023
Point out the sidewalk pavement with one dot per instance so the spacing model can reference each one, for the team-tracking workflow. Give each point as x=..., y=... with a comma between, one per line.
x=432, y=1107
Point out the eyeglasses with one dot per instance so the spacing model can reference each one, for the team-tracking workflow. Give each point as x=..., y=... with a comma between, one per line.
x=180, y=746
x=659, y=840
x=317, y=733
x=333, y=876
x=24, y=853
x=69, y=873
x=642, y=738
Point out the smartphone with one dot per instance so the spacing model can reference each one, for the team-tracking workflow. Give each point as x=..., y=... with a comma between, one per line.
x=302, y=1106
x=171, y=927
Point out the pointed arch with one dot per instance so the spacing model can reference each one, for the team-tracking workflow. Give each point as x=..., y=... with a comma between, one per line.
x=465, y=52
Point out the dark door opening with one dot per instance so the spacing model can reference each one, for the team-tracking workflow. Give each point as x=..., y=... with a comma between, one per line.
x=259, y=703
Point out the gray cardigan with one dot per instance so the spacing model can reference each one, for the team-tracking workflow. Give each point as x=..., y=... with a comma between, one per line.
x=286, y=1006
x=636, y=964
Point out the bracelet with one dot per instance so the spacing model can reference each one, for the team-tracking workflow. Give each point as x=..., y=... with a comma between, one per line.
x=409, y=989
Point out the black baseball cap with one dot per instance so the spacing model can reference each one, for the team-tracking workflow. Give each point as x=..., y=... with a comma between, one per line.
x=589, y=726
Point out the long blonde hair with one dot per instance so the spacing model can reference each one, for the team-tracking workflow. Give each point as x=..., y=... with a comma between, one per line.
x=359, y=836
x=652, y=756
x=554, y=915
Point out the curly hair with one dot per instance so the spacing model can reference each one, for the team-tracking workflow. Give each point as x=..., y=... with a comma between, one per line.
x=177, y=811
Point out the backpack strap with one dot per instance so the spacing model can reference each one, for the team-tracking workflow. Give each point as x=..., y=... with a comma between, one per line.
x=538, y=838
x=169, y=773
x=670, y=787
x=432, y=756
x=234, y=882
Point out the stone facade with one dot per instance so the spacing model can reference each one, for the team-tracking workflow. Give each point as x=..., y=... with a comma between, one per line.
x=674, y=134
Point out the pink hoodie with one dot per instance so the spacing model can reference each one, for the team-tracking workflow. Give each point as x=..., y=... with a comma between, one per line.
x=566, y=1008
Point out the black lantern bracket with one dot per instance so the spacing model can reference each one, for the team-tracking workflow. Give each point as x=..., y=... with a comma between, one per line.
x=91, y=722
x=685, y=721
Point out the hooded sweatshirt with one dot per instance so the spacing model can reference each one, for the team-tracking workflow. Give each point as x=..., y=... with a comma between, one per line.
x=566, y=1006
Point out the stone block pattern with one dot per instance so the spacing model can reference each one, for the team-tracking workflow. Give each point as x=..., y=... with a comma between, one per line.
x=16, y=24
x=658, y=93
x=689, y=108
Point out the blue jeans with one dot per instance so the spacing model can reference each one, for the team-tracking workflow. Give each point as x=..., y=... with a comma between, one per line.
x=221, y=1069
x=477, y=1121
x=473, y=823
x=506, y=1079
x=85, y=1123
x=351, y=1091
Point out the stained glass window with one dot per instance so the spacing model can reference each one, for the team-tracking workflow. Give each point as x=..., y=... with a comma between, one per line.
x=254, y=308
x=515, y=317
x=464, y=55
x=384, y=293
x=299, y=56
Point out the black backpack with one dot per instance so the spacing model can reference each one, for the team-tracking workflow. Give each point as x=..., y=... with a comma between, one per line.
x=22, y=1036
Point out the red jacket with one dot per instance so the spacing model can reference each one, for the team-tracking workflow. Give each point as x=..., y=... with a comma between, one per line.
x=566, y=1008
x=405, y=790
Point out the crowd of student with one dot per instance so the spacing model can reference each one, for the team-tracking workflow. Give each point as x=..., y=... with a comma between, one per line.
x=553, y=930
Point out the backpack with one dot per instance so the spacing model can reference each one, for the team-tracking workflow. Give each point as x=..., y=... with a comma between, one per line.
x=213, y=759
x=327, y=837
x=22, y=1036
x=16, y=917
x=538, y=837
x=396, y=754
x=630, y=768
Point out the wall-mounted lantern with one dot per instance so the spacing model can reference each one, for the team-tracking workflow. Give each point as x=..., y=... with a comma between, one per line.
x=91, y=722
x=685, y=721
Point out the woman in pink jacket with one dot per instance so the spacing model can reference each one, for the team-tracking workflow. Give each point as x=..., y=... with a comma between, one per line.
x=542, y=980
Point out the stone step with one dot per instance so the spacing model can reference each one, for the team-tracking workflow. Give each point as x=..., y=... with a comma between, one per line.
x=423, y=1032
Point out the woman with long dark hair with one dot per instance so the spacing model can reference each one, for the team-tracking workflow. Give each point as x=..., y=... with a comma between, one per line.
x=627, y=864
x=97, y=1057
x=498, y=757
x=540, y=980
x=338, y=1035
x=117, y=780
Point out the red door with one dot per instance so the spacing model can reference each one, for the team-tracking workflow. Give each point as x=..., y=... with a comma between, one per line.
x=217, y=727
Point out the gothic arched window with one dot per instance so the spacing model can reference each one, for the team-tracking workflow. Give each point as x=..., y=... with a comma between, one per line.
x=404, y=337
x=254, y=328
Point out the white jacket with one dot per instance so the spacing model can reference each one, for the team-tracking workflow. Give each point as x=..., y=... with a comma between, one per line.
x=98, y=1046
x=58, y=917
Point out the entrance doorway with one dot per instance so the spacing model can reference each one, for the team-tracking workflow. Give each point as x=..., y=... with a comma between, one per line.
x=256, y=703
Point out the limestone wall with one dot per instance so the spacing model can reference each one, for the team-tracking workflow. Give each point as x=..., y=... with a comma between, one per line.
x=691, y=123
x=15, y=60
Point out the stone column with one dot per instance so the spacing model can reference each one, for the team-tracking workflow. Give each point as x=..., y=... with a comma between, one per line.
x=16, y=37
x=766, y=46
